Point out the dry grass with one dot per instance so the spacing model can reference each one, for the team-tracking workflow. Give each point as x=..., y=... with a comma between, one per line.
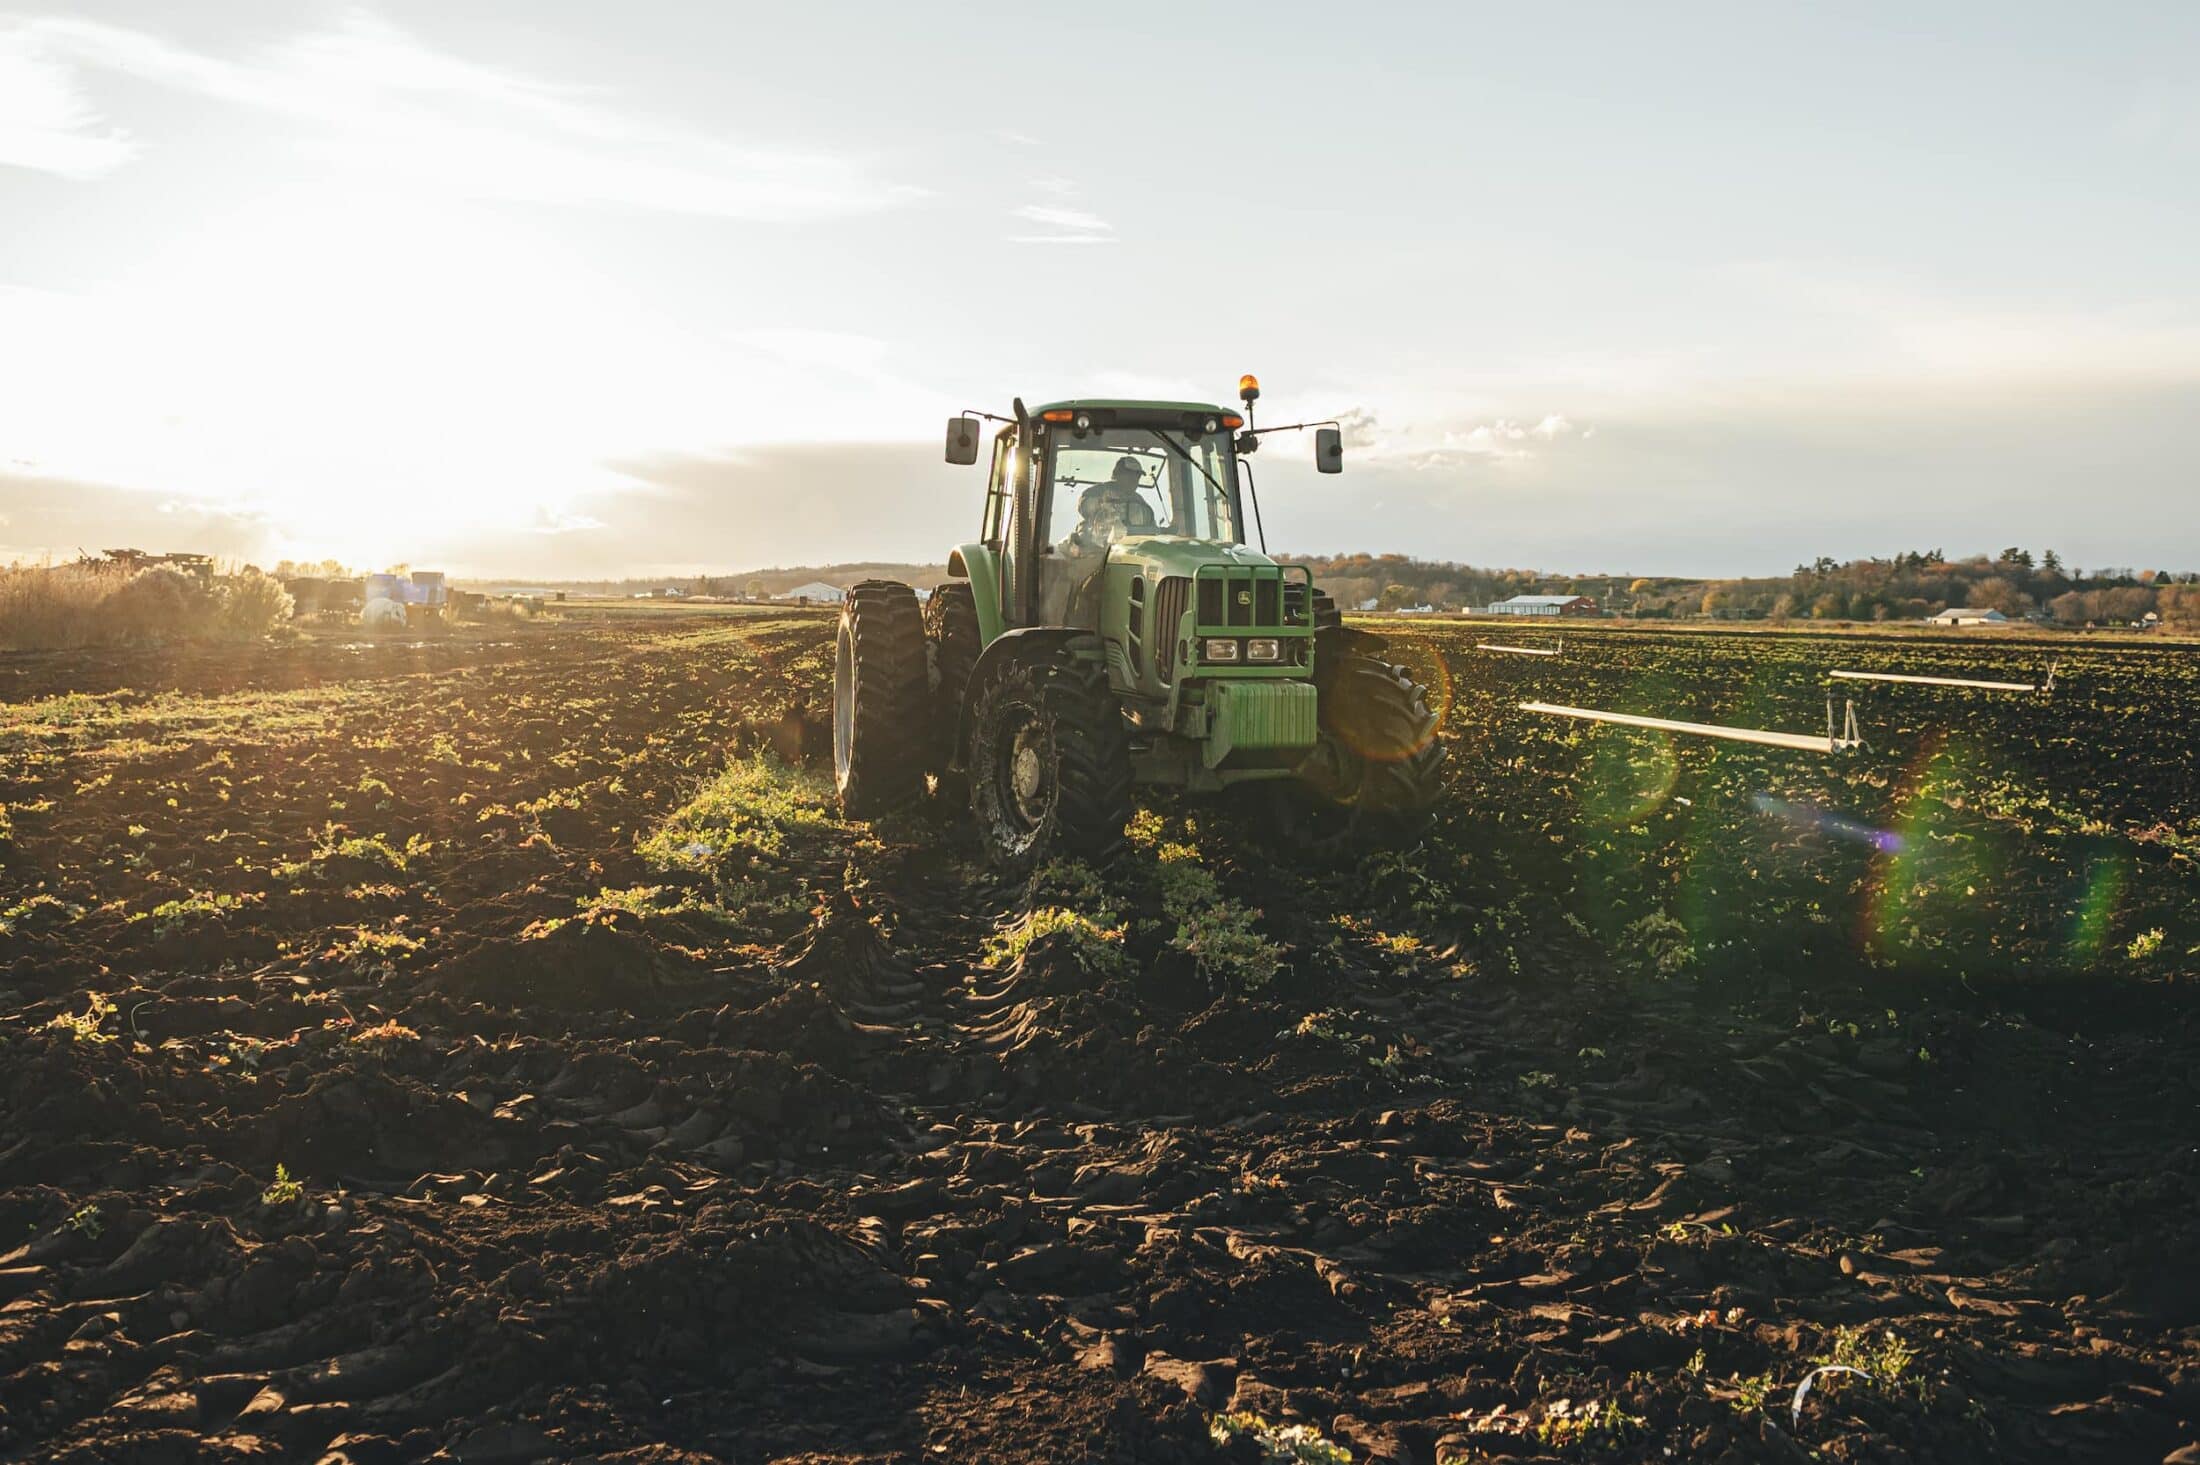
x=48, y=609
x=61, y=607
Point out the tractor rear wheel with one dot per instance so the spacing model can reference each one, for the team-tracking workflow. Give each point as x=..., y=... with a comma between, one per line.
x=1378, y=752
x=880, y=692
x=1049, y=763
x=951, y=625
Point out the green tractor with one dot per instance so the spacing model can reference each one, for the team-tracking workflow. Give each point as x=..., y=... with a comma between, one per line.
x=1111, y=626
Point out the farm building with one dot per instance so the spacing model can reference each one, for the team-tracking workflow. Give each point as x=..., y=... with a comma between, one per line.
x=1544, y=605
x=1968, y=616
x=815, y=590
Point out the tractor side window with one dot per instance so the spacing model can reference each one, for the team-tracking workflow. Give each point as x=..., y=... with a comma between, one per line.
x=997, y=487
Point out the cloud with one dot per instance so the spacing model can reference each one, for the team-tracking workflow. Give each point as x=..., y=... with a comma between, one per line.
x=376, y=97
x=1061, y=223
x=45, y=123
x=552, y=522
x=57, y=518
x=1455, y=444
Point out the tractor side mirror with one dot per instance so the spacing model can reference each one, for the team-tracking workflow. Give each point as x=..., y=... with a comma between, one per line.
x=962, y=440
x=1329, y=450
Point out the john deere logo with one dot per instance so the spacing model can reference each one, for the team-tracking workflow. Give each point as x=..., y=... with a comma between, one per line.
x=1245, y=597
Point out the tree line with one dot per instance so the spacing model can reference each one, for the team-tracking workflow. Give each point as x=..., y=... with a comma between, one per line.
x=1909, y=586
x=1917, y=584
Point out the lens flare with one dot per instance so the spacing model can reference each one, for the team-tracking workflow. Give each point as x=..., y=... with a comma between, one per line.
x=2104, y=891
x=1937, y=888
x=1824, y=821
x=1629, y=777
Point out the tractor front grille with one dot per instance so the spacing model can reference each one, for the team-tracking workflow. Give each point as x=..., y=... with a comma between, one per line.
x=1241, y=598
x=1170, y=604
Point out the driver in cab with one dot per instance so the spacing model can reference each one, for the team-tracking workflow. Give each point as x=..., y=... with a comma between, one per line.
x=1109, y=511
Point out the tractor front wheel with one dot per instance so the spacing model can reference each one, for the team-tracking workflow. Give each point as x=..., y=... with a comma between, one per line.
x=1378, y=752
x=880, y=695
x=1049, y=764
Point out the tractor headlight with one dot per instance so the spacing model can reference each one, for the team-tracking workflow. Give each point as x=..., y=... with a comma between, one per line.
x=1222, y=648
x=1263, y=649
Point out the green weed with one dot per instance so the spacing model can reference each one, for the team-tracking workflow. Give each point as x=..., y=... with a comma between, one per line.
x=90, y=1025
x=1280, y=1444
x=1751, y=1394
x=171, y=916
x=375, y=951
x=381, y=1040
x=1566, y=1424
x=756, y=806
x=1660, y=947
x=1096, y=948
x=1217, y=932
x=372, y=850
x=38, y=912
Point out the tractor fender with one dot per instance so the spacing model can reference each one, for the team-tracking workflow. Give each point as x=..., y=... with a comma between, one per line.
x=980, y=564
x=1335, y=641
x=1012, y=646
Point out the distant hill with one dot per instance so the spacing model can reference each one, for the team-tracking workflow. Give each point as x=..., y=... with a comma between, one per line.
x=1908, y=586
x=751, y=583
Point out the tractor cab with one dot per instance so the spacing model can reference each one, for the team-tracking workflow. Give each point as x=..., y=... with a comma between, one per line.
x=1110, y=474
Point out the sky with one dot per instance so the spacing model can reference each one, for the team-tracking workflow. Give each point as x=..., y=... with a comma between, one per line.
x=553, y=288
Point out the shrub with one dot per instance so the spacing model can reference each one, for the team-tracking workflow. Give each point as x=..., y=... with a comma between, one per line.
x=253, y=604
x=154, y=605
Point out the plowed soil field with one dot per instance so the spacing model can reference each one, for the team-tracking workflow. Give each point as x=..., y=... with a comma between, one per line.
x=500, y=1050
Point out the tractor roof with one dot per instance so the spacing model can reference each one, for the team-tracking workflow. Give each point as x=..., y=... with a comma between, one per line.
x=1119, y=404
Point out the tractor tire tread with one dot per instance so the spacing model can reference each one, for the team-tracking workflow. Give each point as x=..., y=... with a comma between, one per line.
x=1095, y=751
x=1092, y=763
x=951, y=626
x=1381, y=715
x=883, y=632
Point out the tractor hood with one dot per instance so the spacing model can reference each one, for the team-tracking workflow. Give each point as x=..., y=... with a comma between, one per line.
x=1158, y=556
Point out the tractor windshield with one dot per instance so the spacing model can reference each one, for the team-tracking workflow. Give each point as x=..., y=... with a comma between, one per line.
x=1141, y=480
